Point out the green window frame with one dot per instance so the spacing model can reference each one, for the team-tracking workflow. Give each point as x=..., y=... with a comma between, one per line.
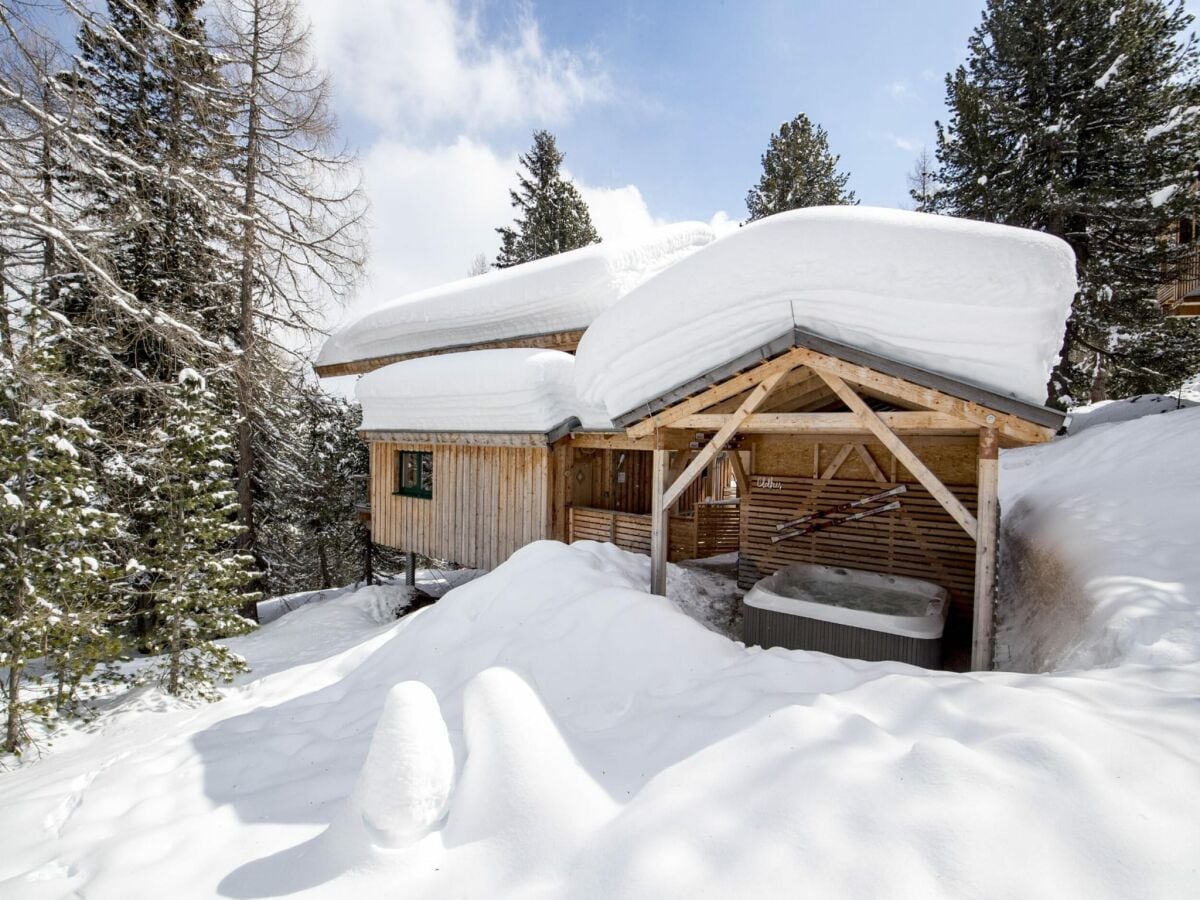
x=414, y=474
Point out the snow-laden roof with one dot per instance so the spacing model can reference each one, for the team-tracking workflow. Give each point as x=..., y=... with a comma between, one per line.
x=512, y=390
x=559, y=293
x=980, y=303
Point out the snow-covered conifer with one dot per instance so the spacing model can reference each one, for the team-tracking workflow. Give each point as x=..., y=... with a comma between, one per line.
x=1083, y=120
x=798, y=171
x=55, y=564
x=553, y=216
x=195, y=575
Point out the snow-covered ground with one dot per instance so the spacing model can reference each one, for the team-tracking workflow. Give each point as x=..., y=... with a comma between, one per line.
x=551, y=730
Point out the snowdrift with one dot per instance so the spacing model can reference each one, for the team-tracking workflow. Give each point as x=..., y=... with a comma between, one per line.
x=559, y=293
x=483, y=390
x=982, y=303
x=1102, y=546
x=1106, y=412
x=550, y=730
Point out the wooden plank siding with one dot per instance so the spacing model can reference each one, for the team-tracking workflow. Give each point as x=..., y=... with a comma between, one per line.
x=487, y=502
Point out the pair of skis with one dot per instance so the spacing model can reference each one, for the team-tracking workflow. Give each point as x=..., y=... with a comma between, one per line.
x=837, y=515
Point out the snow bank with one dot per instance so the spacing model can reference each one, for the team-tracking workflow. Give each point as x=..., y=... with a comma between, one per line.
x=982, y=303
x=559, y=293
x=607, y=746
x=481, y=390
x=1102, y=547
x=1109, y=411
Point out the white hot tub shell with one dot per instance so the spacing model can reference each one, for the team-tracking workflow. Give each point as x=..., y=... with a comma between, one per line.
x=847, y=612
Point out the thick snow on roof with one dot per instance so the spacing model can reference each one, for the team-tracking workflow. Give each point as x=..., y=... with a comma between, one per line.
x=512, y=390
x=559, y=293
x=981, y=303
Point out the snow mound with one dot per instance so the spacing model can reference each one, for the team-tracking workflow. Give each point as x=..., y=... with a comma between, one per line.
x=559, y=293
x=983, y=303
x=1101, y=533
x=482, y=390
x=1108, y=411
x=404, y=786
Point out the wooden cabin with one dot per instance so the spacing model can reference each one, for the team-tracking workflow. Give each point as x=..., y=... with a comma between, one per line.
x=799, y=426
x=1180, y=295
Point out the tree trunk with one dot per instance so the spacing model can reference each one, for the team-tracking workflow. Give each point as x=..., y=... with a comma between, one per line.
x=244, y=369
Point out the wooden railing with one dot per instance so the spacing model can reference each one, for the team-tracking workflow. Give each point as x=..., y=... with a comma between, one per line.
x=628, y=531
x=1174, y=295
x=711, y=529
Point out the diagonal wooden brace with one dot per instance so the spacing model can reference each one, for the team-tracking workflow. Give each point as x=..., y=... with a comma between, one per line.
x=900, y=450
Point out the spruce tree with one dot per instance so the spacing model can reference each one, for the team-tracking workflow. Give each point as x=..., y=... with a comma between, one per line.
x=553, y=216
x=55, y=561
x=798, y=171
x=922, y=182
x=1081, y=120
x=195, y=575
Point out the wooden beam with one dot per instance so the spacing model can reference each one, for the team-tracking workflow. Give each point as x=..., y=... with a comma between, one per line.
x=721, y=438
x=723, y=391
x=986, y=541
x=567, y=341
x=890, y=386
x=739, y=473
x=659, y=522
x=900, y=450
x=836, y=463
x=460, y=438
x=619, y=440
x=831, y=423
x=869, y=461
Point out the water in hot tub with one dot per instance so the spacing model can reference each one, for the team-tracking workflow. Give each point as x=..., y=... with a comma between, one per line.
x=848, y=595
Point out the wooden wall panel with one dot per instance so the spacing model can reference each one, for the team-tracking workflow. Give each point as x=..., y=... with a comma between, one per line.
x=487, y=503
x=920, y=540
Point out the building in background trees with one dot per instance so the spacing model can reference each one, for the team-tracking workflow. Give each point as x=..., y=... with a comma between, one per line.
x=1083, y=120
x=798, y=171
x=553, y=216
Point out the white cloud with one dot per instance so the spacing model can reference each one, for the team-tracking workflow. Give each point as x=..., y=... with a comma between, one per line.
x=434, y=208
x=900, y=89
x=407, y=66
x=908, y=145
x=618, y=212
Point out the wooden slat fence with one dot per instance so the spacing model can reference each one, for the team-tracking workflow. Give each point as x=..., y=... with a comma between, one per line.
x=921, y=540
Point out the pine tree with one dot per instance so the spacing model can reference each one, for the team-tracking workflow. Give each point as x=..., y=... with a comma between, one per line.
x=195, y=575
x=55, y=562
x=553, y=216
x=1083, y=120
x=798, y=171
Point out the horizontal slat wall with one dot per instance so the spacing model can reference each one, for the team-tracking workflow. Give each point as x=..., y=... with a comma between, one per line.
x=487, y=503
x=920, y=540
x=718, y=528
x=628, y=531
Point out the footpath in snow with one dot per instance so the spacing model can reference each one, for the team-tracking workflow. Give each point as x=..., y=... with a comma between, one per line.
x=551, y=730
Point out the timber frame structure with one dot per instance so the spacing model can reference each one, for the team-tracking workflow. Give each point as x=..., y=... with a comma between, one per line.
x=824, y=421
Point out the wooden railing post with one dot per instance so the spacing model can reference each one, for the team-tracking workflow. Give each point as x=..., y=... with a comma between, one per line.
x=986, y=540
x=659, y=525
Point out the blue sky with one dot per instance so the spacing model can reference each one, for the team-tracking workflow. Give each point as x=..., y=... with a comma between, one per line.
x=662, y=108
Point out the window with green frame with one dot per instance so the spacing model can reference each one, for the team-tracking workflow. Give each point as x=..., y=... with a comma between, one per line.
x=414, y=473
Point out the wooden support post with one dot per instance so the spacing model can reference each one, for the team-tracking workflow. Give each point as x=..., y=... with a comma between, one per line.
x=900, y=450
x=659, y=522
x=410, y=569
x=986, y=546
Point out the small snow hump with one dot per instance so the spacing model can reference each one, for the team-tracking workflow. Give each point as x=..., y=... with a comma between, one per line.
x=404, y=786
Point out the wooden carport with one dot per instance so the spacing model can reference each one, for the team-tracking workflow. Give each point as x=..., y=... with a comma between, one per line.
x=807, y=390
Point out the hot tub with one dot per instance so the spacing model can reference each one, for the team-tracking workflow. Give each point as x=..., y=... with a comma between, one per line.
x=847, y=612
